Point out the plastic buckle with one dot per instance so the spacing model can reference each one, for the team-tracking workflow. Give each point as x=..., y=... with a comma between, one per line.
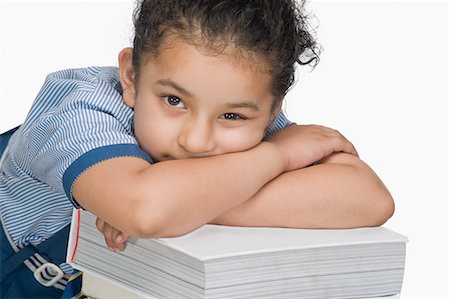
x=53, y=270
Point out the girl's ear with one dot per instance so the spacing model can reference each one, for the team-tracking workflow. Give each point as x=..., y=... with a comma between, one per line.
x=127, y=76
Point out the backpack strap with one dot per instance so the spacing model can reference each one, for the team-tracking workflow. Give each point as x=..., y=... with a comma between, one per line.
x=4, y=139
x=50, y=254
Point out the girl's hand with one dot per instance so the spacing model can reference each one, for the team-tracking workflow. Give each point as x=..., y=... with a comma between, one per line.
x=302, y=145
x=115, y=239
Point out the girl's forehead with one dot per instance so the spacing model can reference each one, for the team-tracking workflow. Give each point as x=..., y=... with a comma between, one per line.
x=230, y=52
x=184, y=57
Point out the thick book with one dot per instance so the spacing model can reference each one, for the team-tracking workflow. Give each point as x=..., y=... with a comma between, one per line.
x=217, y=261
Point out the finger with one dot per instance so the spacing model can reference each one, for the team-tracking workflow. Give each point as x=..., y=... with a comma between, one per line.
x=121, y=241
x=100, y=224
x=355, y=152
x=110, y=234
x=105, y=229
x=121, y=238
x=350, y=149
x=107, y=233
x=117, y=238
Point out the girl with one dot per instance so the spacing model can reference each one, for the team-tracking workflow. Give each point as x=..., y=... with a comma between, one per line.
x=187, y=131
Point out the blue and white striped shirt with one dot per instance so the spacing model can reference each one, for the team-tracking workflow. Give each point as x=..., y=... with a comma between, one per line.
x=78, y=119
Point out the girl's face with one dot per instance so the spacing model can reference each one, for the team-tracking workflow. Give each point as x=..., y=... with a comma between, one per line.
x=188, y=104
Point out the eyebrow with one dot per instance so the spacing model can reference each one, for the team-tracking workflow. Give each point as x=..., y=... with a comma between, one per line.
x=170, y=83
x=249, y=105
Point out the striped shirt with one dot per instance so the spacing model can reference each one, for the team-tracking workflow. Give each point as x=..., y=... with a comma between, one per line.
x=77, y=119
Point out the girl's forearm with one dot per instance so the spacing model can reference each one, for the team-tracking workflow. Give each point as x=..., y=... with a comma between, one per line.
x=194, y=191
x=329, y=195
x=172, y=198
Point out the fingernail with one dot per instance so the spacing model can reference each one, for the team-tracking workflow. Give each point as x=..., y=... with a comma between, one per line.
x=119, y=239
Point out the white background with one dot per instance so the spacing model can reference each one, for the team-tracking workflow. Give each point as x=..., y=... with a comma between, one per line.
x=382, y=81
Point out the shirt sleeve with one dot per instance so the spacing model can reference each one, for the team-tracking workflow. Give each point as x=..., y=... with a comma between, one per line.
x=89, y=125
x=95, y=156
x=281, y=122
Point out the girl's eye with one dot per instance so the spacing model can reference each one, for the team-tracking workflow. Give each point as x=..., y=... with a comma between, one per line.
x=173, y=101
x=232, y=116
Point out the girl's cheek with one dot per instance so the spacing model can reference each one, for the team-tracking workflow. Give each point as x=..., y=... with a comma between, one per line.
x=240, y=141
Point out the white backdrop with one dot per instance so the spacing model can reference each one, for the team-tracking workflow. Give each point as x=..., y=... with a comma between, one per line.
x=382, y=81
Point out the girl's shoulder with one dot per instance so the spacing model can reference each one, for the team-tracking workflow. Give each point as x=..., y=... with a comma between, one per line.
x=93, y=75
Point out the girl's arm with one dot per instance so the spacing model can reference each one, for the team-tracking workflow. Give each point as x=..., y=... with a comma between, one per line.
x=172, y=198
x=340, y=192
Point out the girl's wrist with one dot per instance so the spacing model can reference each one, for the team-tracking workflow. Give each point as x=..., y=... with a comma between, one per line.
x=274, y=156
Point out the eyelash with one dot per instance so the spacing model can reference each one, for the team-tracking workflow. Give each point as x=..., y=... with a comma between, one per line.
x=227, y=116
x=167, y=100
x=236, y=116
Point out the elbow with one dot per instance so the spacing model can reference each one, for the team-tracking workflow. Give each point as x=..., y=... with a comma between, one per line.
x=145, y=221
x=156, y=221
x=388, y=209
x=381, y=203
x=144, y=227
x=158, y=227
x=383, y=209
x=156, y=224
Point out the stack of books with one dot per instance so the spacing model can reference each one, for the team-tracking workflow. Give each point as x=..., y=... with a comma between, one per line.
x=217, y=261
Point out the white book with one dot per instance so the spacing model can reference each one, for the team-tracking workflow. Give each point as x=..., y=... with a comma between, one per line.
x=217, y=261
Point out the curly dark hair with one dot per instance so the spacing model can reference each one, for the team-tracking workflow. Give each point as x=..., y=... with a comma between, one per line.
x=276, y=30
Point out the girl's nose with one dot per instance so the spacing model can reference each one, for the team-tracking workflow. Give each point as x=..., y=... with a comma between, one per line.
x=196, y=138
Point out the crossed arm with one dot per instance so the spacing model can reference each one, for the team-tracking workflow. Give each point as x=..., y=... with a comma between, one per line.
x=268, y=185
x=341, y=191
